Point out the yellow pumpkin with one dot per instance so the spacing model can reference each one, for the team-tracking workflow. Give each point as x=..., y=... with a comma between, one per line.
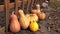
x=34, y=26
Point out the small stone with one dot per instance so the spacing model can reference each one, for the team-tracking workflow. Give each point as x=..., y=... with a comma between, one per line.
x=49, y=29
x=49, y=17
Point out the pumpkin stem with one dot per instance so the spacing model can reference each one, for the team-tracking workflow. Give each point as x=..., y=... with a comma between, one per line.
x=13, y=13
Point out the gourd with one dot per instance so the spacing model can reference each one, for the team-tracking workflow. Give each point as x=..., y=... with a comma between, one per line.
x=34, y=26
x=37, y=10
x=28, y=16
x=23, y=20
x=42, y=15
x=34, y=11
x=14, y=25
x=33, y=17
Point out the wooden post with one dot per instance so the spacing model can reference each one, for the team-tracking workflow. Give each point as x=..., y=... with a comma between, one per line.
x=6, y=3
x=32, y=2
x=16, y=7
x=28, y=4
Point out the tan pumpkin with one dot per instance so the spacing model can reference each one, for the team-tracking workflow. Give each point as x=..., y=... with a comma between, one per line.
x=33, y=17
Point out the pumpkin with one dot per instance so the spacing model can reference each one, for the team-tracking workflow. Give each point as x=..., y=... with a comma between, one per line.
x=33, y=17
x=42, y=16
x=34, y=26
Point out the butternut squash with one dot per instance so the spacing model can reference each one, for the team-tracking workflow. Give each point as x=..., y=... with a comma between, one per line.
x=14, y=25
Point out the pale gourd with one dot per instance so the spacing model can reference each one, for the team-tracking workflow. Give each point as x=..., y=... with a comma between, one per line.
x=28, y=16
x=23, y=20
x=33, y=17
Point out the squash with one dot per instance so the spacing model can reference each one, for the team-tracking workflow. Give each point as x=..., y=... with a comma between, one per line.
x=14, y=25
x=28, y=16
x=24, y=21
x=37, y=6
x=33, y=17
x=42, y=16
x=35, y=11
x=34, y=26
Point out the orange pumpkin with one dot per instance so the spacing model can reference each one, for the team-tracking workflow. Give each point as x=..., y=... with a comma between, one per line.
x=42, y=16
